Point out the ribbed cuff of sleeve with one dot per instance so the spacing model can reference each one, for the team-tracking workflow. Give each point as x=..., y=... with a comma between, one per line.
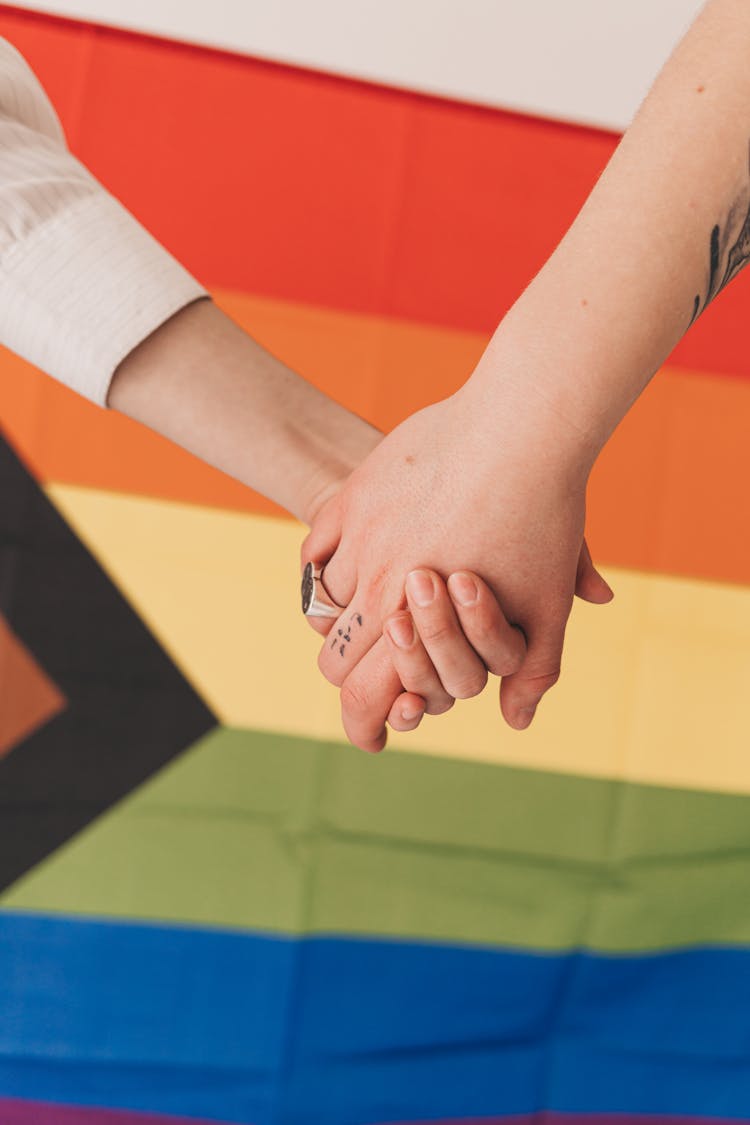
x=85, y=288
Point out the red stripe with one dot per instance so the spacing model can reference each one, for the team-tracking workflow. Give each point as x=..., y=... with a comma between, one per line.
x=279, y=181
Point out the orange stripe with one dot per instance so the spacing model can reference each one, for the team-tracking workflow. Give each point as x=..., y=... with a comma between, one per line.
x=666, y=495
x=312, y=188
x=28, y=698
x=383, y=370
x=669, y=492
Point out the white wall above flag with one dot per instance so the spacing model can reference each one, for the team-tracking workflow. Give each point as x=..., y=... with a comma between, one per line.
x=585, y=61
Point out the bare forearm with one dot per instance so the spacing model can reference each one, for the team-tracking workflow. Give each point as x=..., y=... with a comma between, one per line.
x=205, y=384
x=664, y=229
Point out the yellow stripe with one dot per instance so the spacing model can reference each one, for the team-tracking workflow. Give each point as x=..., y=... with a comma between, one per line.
x=654, y=687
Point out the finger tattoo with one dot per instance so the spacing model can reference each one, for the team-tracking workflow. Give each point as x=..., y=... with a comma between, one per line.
x=344, y=633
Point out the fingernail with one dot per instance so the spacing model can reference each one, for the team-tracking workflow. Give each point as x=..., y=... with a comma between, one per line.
x=401, y=631
x=421, y=587
x=524, y=717
x=463, y=589
x=410, y=713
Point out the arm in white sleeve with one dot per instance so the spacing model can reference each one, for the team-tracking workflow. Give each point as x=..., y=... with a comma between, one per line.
x=91, y=298
x=81, y=282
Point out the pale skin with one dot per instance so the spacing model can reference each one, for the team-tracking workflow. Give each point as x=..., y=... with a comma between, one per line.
x=205, y=384
x=494, y=478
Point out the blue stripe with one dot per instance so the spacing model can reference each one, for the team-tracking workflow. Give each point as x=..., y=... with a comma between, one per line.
x=335, y=1031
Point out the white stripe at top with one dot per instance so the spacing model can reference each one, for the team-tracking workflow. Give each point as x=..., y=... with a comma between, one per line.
x=586, y=61
x=81, y=282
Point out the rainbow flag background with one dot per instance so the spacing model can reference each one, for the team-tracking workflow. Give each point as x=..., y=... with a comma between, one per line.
x=211, y=907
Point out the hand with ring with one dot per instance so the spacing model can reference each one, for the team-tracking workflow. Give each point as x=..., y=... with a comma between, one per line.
x=496, y=504
x=440, y=648
x=437, y=652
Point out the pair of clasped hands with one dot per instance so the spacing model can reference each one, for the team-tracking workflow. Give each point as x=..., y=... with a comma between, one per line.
x=455, y=548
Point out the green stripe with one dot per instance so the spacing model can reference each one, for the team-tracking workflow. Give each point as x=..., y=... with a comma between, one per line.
x=259, y=831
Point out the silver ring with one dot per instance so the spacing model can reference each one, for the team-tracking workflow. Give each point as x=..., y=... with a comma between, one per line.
x=316, y=601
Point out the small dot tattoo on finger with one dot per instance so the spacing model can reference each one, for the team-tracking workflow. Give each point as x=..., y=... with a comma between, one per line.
x=344, y=633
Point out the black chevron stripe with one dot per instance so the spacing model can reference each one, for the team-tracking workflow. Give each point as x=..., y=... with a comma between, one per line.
x=130, y=709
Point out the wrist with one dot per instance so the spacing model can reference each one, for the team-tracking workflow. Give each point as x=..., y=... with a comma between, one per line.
x=515, y=396
x=205, y=384
x=332, y=445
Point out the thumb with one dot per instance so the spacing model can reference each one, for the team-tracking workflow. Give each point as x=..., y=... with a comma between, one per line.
x=521, y=693
x=319, y=545
x=590, y=586
x=323, y=538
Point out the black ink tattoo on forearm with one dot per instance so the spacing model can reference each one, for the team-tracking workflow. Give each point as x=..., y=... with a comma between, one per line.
x=731, y=245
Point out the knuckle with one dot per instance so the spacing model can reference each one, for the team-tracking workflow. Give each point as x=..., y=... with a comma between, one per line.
x=507, y=663
x=543, y=681
x=378, y=582
x=507, y=666
x=470, y=685
x=485, y=642
x=355, y=699
x=482, y=625
x=435, y=632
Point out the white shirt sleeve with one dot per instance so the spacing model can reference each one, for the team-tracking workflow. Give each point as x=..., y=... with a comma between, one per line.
x=81, y=282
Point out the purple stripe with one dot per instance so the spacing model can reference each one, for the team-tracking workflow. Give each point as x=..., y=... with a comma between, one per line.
x=547, y=1117
x=14, y=1112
